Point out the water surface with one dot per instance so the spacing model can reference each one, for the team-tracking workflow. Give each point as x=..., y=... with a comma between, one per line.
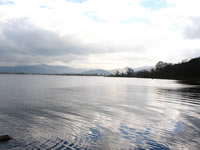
x=72, y=112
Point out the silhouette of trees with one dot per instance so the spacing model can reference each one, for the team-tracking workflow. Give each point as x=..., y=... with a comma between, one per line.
x=117, y=73
x=161, y=65
x=184, y=70
x=130, y=72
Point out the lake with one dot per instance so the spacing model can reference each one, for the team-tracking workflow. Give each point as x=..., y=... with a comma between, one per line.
x=74, y=112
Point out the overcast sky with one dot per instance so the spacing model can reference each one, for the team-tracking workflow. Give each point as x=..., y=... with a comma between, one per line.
x=104, y=34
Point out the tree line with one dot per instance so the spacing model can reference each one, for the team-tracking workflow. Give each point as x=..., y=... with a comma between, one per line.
x=184, y=70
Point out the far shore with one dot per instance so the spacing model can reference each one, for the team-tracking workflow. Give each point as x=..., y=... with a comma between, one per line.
x=191, y=80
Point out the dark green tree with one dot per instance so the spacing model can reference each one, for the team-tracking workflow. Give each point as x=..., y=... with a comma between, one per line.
x=130, y=72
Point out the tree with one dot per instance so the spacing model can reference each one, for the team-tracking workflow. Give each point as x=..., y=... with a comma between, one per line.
x=130, y=72
x=161, y=65
x=117, y=73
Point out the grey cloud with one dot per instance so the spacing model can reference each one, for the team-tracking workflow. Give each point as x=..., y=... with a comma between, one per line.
x=23, y=38
x=21, y=42
x=193, y=31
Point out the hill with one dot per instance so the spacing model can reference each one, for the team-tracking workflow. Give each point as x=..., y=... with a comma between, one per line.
x=97, y=72
x=40, y=69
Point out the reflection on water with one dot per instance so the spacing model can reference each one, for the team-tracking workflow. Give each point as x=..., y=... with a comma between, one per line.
x=60, y=112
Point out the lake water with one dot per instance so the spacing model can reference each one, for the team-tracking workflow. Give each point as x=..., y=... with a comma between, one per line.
x=72, y=112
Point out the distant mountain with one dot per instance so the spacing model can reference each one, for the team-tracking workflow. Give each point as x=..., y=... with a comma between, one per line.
x=47, y=69
x=40, y=69
x=123, y=70
x=148, y=68
x=97, y=71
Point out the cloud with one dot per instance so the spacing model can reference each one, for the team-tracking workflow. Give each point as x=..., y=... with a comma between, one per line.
x=24, y=38
x=77, y=1
x=101, y=33
x=192, y=31
x=22, y=42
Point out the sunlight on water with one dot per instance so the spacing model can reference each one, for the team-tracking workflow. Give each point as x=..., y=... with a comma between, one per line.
x=62, y=112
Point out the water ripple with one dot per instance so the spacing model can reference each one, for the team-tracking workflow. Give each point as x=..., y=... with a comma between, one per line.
x=76, y=113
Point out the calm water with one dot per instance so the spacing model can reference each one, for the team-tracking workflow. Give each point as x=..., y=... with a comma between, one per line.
x=69, y=112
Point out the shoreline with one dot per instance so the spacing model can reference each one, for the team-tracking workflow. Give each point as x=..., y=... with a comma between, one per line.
x=193, y=80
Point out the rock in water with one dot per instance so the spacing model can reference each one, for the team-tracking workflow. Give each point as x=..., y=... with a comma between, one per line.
x=4, y=138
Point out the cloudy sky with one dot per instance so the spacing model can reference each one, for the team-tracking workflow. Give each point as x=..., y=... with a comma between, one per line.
x=104, y=34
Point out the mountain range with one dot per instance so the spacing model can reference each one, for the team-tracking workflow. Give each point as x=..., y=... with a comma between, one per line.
x=40, y=69
x=47, y=69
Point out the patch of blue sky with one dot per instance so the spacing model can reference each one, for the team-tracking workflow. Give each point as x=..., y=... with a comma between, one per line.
x=92, y=15
x=6, y=2
x=135, y=19
x=154, y=4
x=178, y=27
x=43, y=6
x=76, y=1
